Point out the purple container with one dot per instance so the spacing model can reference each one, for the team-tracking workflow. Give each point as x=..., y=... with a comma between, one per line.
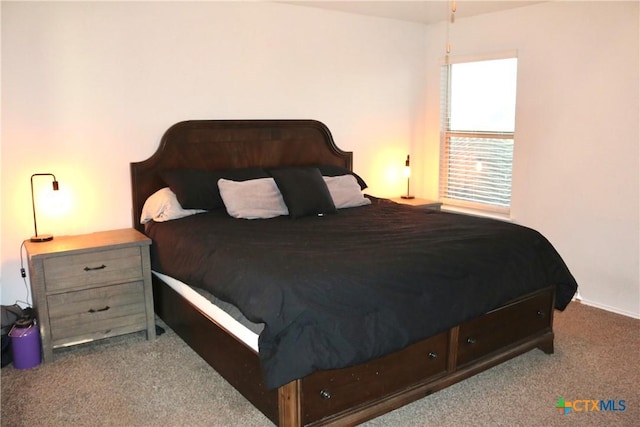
x=25, y=345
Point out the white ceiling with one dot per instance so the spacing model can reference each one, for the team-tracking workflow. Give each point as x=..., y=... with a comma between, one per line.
x=423, y=11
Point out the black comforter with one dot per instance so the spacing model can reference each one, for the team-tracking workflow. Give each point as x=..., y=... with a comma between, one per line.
x=338, y=290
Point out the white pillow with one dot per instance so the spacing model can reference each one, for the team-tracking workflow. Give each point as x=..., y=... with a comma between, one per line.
x=164, y=206
x=252, y=199
x=345, y=191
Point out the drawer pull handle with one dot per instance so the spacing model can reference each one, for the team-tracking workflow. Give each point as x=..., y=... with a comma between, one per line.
x=433, y=355
x=95, y=268
x=471, y=340
x=325, y=394
x=91, y=310
x=540, y=313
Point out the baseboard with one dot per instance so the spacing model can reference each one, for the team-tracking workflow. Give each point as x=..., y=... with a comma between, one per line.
x=605, y=307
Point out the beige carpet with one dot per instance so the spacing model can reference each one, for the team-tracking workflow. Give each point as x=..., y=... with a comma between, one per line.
x=128, y=381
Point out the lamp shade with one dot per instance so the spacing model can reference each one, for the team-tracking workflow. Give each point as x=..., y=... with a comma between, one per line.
x=407, y=168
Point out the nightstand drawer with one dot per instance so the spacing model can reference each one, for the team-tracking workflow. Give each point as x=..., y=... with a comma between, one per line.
x=97, y=313
x=94, y=268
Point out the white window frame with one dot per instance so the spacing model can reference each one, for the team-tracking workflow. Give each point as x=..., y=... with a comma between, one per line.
x=446, y=196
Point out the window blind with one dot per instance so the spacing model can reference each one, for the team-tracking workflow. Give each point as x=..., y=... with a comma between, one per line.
x=478, y=169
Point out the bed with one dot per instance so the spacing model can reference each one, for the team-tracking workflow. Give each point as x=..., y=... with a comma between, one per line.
x=357, y=340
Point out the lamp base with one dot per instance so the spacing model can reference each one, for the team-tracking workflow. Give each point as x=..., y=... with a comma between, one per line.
x=42, y=238
x=406, y=196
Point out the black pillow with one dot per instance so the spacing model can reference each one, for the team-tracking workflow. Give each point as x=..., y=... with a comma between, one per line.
x=304, y=191
x=198, y=189
x=333, y=170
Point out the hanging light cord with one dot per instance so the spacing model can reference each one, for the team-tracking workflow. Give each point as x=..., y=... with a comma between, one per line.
x=452, y=7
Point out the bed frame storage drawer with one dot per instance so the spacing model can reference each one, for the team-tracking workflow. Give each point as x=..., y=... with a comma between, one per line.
x=508, y=324
x=328, y=392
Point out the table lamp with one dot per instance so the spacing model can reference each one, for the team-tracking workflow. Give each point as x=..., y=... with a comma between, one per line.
x=41, y=237
x=407, y=174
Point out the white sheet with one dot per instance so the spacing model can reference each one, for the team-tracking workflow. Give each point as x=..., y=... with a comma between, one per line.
x=225, y=320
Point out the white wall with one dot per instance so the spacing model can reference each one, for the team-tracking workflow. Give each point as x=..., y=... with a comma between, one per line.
x=90, y=86
x=576, y=150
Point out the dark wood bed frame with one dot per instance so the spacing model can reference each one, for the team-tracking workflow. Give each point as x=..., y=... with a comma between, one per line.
x=345, y=396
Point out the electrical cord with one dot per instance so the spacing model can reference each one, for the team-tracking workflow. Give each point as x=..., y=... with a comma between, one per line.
x=23, y=273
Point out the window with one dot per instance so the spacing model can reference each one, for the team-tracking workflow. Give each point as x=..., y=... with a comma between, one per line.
x=478, y=125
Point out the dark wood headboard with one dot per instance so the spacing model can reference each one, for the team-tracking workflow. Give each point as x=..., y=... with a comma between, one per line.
x=229, y=144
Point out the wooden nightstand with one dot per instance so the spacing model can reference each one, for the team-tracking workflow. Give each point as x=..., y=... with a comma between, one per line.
x=91, y=286
x=419, y=203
